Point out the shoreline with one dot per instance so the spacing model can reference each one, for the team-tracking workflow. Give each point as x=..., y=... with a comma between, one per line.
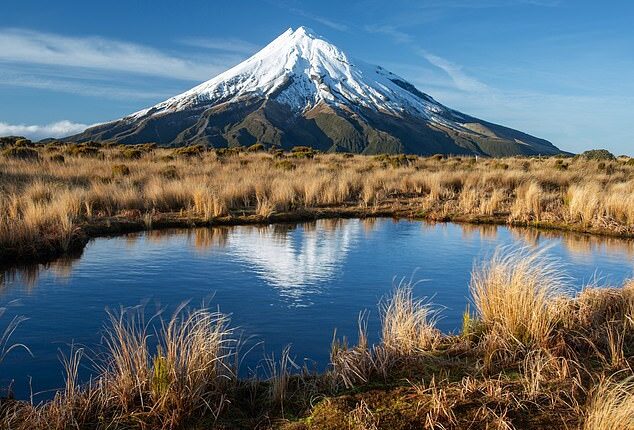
x=41, y=253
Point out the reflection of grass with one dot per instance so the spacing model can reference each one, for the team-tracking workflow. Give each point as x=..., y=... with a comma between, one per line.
x=48, y=205
x=5, y=336
x=533, y=357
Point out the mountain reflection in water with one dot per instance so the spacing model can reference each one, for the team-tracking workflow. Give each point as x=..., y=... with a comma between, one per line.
x=295, y=263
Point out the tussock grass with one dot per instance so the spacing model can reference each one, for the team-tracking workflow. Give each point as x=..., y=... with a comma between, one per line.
x=188, y=374
x=408, y=324
x=612, y=406
x=91, y=186
x=407, y=329
x=517, y=297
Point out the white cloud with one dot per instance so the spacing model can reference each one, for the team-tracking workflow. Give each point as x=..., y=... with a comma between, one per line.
x=32, y=47
x=461, y=79
x=81, y=87
x=236, y=46
x=56, y=129
x=320, y=19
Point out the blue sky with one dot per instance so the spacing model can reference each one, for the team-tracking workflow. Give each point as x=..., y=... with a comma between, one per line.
x=559, y=69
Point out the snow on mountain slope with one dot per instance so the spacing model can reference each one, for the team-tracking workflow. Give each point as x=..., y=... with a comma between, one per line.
x=302, y=90
x=301, y=69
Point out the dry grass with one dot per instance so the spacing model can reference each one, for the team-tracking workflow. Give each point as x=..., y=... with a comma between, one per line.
x=612, y=406
x=46, y=205
x=408, y=324
x=407, y=330
x=187, y=375
x=517, y=297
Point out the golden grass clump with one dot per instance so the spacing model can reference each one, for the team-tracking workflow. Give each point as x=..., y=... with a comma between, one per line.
x=407, y=329
x=408, y=324
x=612, y=406
x=187, y=374
x=517, y=297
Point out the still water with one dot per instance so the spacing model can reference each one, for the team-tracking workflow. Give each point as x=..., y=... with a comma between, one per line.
x=282, y=284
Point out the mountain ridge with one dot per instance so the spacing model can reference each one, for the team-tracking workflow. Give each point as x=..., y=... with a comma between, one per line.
x=302, y=90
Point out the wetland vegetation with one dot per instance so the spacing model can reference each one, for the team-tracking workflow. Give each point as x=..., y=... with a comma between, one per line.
x=54, y=197
x=530, y=354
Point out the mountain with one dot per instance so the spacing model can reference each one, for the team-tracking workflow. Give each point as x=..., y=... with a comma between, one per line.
x=300, y=90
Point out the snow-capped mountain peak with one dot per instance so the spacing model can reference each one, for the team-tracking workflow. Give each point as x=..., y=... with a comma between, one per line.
x=301, y=69
x=301, y=89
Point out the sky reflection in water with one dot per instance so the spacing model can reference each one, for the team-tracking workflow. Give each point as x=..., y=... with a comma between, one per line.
x=282, y=284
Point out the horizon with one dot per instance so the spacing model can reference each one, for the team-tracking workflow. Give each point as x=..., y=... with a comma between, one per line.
x=553, y=69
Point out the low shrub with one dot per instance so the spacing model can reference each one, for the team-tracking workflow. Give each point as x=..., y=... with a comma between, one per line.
x=131, y=153
x=190, y=151
x=308, y=154
x=285, y=165
x=9, y=140
x=21, y=152
x=169, y=172
x=302, y=149
x=57, y=158
x=21, y=143
x=227, y=152
x=83, y=150
x=120, y=170
x=598, y=154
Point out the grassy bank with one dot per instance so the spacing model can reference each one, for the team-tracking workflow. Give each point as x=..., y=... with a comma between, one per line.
x=530, y=355
x=53, y=198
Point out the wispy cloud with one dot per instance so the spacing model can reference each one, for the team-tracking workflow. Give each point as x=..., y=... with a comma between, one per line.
x=335, y=25
x=391, y=31
x=33, y=47
x=232, y=45
x=56, y=129
x=485, y=4
x=461, y=80
x=81, y=87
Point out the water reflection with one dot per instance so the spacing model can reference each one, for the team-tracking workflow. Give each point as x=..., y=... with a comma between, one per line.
x=578, y=245
x=296, y=259
x=28, y=275
x=483, y=231
x=296, y=264
x=283, y=284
